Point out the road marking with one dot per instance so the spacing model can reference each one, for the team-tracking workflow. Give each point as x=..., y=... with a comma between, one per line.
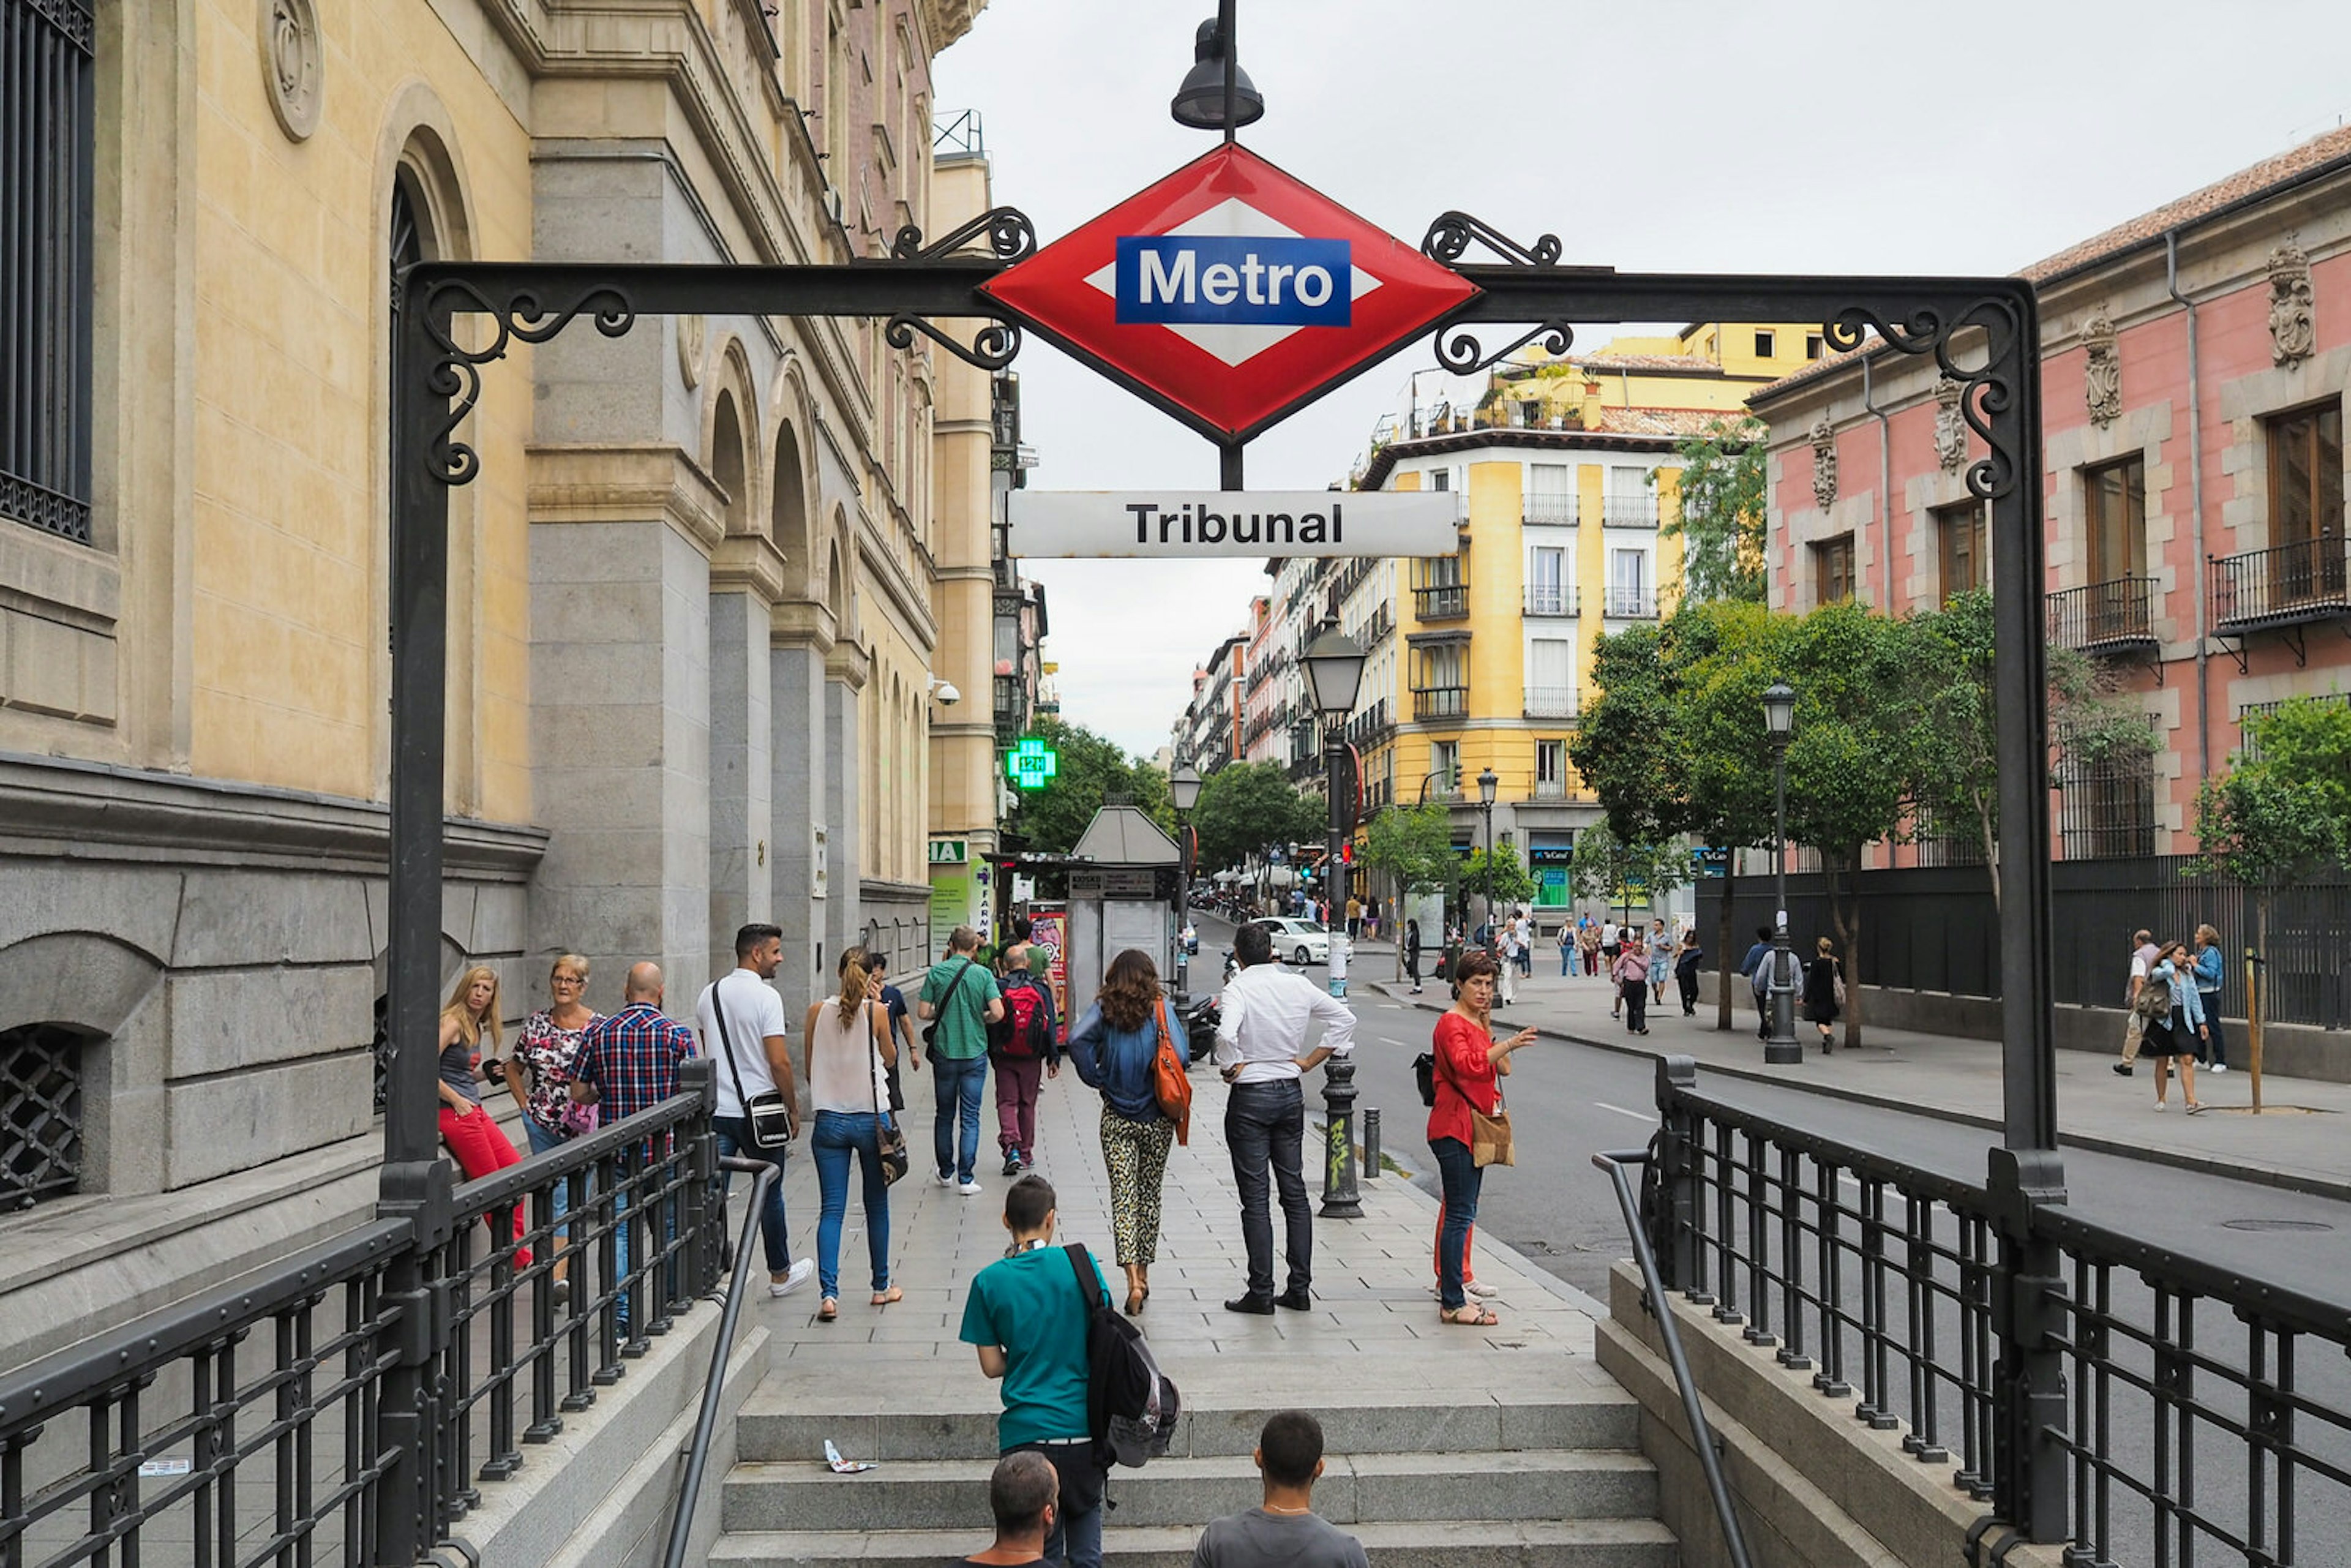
x=1637, y=1115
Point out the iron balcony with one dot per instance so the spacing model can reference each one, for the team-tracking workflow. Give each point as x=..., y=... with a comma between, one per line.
x=2109, y=617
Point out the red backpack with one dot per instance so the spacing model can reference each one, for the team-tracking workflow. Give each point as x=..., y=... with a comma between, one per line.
x=1019, y=1035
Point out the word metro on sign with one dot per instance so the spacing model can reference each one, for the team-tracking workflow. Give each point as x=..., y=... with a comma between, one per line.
x=1242, y=525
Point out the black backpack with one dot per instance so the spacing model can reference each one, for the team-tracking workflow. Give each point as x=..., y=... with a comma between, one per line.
x=1132, y=1408
x=1424, y=1077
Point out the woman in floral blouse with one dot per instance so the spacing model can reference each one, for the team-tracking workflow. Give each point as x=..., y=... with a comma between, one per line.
x=539, y=1072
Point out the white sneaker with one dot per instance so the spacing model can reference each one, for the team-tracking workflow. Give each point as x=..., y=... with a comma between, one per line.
x=945, y=1178
x=2158, y=1106
x=2218, y=1067
x=1479, y=1287
x=970, y=1189
x=803, y=1271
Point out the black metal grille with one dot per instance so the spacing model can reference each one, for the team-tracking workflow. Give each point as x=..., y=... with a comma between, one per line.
x=40, y=1113
x=2104, y=615
x=48, y=144
x=2107, y=811
x=2306, y=581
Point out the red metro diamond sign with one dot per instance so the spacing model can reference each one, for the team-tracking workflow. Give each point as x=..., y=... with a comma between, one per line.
x=1228, y=292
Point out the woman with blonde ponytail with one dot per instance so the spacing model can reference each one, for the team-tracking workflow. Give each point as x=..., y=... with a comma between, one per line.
x=476, y=1141
x=850, y=1050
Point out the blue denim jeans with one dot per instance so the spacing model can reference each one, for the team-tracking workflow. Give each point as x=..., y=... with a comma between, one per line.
x=544, y=1142
x=957, y=1086
x=1458, y=1171
x=1076, y=1535
x=838, y=1135
x=734, y=1138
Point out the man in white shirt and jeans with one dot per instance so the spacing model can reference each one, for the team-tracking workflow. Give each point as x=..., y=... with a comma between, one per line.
x=753, y=1059
x=1261, y=1051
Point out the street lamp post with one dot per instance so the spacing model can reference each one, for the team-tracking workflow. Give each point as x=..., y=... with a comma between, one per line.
x=1183, y=791
x=1487, y=787
x=1334, y=669
x=1781, y=1048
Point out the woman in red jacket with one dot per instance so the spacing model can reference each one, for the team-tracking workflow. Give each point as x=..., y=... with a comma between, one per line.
x=1469, y=1060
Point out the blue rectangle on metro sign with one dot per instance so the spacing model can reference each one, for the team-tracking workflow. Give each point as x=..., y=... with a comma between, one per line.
x=1235, y=281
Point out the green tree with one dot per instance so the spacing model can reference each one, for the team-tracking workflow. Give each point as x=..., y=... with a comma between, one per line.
x=1629, y=746
x=1511, y=882
x=1610, y=868
x=1089, y=769
x=1723, y=511
x=1244, y=806
x=1412, y=846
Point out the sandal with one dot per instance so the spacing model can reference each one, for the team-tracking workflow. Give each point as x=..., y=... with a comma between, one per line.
x=1469, y=1316
x=889, y=1297
x=1134, y=1300
x=828, y=1310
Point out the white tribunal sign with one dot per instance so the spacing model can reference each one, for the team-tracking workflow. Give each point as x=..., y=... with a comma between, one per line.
x=1242, y=523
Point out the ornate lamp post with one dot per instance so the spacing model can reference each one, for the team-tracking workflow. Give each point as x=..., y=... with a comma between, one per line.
x=1334, y=669
x=1183, y=791
x=1487, y=786
x=1780, y=1048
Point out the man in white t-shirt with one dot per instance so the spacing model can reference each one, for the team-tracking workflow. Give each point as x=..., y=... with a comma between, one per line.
x=753, y=1060
x=2143, y=958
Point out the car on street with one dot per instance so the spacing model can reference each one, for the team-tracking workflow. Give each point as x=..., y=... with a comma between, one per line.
x=1300, y=941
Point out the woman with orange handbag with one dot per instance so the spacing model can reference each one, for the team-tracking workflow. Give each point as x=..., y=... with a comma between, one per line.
x=1114, y=1047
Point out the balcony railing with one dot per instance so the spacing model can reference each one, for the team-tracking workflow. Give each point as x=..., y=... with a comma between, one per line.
x=1550, y=702
x=1375, y=724
x=1632, y=511
x=1381, y=623
x=2104, y=616
x=2309, y=579
x=1449, y=601
x=1439, y=702
x=1551, y=789
x=1631, y=604
x=1551, y=599
x=1557, y=509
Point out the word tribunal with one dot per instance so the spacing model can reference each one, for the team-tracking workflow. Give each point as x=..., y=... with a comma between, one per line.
x=1201, y=526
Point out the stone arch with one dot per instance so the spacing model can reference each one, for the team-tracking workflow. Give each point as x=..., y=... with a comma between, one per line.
x=839, y=592
x=69, y=996
x=788, y=514
x=731, y=412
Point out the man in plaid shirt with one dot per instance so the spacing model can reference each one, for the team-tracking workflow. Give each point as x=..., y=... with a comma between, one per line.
x=627, y=1063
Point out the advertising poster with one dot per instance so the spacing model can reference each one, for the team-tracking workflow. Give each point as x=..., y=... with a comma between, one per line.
x=1049, y=928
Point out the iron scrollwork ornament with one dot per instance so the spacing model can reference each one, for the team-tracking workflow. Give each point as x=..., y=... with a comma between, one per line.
x=1986, y=391
x=1458, y=350
x=457, y=375
x=996, y=345
x=1010, y=237
x=1447, y=241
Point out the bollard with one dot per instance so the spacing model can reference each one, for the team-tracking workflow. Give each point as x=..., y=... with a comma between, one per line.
x=1371, y=1142
x=1341, y=1197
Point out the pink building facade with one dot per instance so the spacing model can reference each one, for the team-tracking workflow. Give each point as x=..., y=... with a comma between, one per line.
x=2195, y=364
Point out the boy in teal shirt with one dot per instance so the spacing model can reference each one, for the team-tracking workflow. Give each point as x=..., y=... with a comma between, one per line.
x=1029, y=1321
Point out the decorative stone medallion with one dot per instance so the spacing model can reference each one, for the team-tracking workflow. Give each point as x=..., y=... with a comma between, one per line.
x=1951, y=426
x=1824, y=463
x=2102, y=370
x=2293, y=332
x=692, y=338
x=293, y=64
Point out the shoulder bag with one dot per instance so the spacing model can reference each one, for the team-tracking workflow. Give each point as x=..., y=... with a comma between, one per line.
x=931, y=1029
x=891, y=1141
x=1171, y=1085
x=771, y=1121
x=1490, y=1137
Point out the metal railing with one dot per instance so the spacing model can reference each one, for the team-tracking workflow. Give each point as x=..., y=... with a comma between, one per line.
x=1631, y=604
x=1550, y=702
x=1551, y=599
x=1373, y=724
x=764, y=1176
x=2052, y=1362
x=2104, y=615
x=2247, y=747
x=1446, y=602
x=261, y=1420
x=1439, y=702
x=1630, y=511
x=41, y=1071
x=1536, y=508
x=2306, y=581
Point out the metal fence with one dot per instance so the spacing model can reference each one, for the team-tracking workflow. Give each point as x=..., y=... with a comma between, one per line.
x=2136, y=1403
x=1933, y=928
x=2284, y=583
x=267, y=1420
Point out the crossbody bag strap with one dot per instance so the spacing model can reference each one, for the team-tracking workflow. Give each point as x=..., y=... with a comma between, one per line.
x=726, y=1045
x=948, y=995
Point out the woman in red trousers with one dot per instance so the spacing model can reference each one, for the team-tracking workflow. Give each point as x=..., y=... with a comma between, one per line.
x=476, y=1141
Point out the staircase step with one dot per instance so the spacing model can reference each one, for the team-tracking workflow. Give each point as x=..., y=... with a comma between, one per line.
x=1599, y=1420
x=1544, y=1484
x=1531, y=1544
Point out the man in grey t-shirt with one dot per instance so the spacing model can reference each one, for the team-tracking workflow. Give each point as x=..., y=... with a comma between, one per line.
x=1283, y=1532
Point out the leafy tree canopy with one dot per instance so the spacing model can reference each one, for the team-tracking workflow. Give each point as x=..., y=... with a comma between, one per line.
x=1413, y=844
x=1512, y=882
x=1244, y=806
x=1608, y=868
x=1723, y=511
x=1630, y=749
x=1089, y=769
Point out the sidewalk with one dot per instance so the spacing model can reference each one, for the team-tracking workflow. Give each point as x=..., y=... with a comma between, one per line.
x=2298, y=1141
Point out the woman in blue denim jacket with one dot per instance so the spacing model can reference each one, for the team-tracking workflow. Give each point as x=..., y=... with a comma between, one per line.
x=2212, y=970
x=2175, y=1041
x=1113, y=1047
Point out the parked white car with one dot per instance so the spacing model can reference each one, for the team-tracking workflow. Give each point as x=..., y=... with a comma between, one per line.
x=1299, y=942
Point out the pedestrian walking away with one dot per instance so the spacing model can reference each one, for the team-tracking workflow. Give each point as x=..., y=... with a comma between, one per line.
x=2211, y=974
x=1022, y=1494
x=961, y=999
x=1261, y=1051
x=1632, y=975
x=1284, y=1530
x=2142, y=964
x=1468, y=1067
x=849, y=1049
x=1587, y=944
x=1115, y=1047
x=1027, y=1319
x=1411, y=954
x=1024, y=1048
x=538, y=1075
x=628, y=1063
x=741, y=1021
x=2174, y=1018
x=1685, y=963
x=1753, y=969
x=476, y=1141
x=1567, y=939
x=1824, y=992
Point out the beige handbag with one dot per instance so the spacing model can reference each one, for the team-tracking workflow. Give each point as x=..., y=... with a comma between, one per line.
x=1490, y=1137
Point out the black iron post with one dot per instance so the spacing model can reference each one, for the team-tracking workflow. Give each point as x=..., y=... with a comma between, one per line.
x=1781, y=1050
x=1341, y=1197
x=2029, y=1459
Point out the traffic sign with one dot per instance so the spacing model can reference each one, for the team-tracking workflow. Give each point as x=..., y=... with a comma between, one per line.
x=1228, y=292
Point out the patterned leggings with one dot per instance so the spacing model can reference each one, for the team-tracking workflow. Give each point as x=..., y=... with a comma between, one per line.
x=1136, y=1155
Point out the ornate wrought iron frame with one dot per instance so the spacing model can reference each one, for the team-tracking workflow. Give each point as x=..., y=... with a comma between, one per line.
x=1982, y=332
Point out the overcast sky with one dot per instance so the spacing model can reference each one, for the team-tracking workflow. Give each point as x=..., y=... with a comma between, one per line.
x=1799, y=135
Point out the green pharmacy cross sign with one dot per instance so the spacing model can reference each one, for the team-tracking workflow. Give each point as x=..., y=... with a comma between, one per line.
x=1032, y=764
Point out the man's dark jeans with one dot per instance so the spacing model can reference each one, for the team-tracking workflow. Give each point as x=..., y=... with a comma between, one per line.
x=1266, y=1124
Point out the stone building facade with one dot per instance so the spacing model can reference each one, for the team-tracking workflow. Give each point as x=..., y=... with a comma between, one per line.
x=693, y=591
